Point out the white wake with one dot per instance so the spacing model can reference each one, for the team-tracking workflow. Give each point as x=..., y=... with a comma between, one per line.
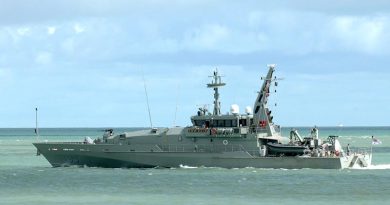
x=379, y=166
x=187, y=167
x=375, y=167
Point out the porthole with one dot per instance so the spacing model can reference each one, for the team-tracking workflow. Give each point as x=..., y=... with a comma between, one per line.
x=225, y=142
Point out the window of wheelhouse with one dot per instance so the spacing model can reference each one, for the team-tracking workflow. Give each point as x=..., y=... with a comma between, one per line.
x=221, y=123
x=234, y=123
x=224, y=123
x=199, y=123
x=243, y=122
x=228, y=123
x=214, y=123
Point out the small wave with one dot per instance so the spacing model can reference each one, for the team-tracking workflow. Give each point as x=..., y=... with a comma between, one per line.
x=187, y=167
x=349, y=137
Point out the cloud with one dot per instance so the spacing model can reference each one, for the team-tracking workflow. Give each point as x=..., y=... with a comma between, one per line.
x=51, y=30
x=207, y=37
x=78, y=28
x=6, y=77
x=301, y=33
x=252, y=31
x=104, y=46
x=366, y=34
x=23, y=31
x=4, y=73
x=43, y=58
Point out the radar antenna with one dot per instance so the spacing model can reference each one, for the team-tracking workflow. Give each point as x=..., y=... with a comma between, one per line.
x=215, y=84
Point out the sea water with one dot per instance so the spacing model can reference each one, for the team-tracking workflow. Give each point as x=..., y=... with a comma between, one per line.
x=29, y=179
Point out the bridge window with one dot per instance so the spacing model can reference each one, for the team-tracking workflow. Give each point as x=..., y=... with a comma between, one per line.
x=234, y=123
x=221, y=123
x=214, y=123
x=199, y=123
x=228, y=123
x=243, y=122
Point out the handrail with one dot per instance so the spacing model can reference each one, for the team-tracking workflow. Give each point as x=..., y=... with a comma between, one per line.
x=201, y=148
x=159, y=148
x=62, y=142
x=244, y=150
x=360, y=150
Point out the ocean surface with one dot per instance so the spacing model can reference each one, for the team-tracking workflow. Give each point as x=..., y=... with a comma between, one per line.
x=29, y=179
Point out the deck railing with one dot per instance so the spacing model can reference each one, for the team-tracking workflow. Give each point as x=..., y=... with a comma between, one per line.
x=201, y=148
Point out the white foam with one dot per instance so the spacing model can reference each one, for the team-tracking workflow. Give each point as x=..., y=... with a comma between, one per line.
x=187, y=167
x=379, y=166
x=376, y=167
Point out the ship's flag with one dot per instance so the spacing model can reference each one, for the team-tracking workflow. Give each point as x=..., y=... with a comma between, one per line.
x=375, y=141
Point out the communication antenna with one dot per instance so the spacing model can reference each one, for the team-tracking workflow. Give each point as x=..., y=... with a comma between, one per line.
x=177, y=102
x=147, y=102
x=36, y=124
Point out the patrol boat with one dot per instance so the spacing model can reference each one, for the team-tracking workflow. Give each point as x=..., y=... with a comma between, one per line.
x=233, y=140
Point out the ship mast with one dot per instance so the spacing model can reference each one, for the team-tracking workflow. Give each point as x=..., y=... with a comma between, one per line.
x=215, y=84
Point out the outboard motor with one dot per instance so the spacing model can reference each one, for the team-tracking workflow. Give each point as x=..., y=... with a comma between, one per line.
x=263, y=150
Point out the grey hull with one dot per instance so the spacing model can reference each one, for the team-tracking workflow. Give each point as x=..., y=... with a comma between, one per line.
x=95, y=156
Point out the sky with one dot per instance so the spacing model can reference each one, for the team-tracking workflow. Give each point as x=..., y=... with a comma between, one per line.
x=82, y=62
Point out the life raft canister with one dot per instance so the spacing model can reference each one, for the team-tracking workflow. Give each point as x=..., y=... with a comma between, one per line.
x=213, y=131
